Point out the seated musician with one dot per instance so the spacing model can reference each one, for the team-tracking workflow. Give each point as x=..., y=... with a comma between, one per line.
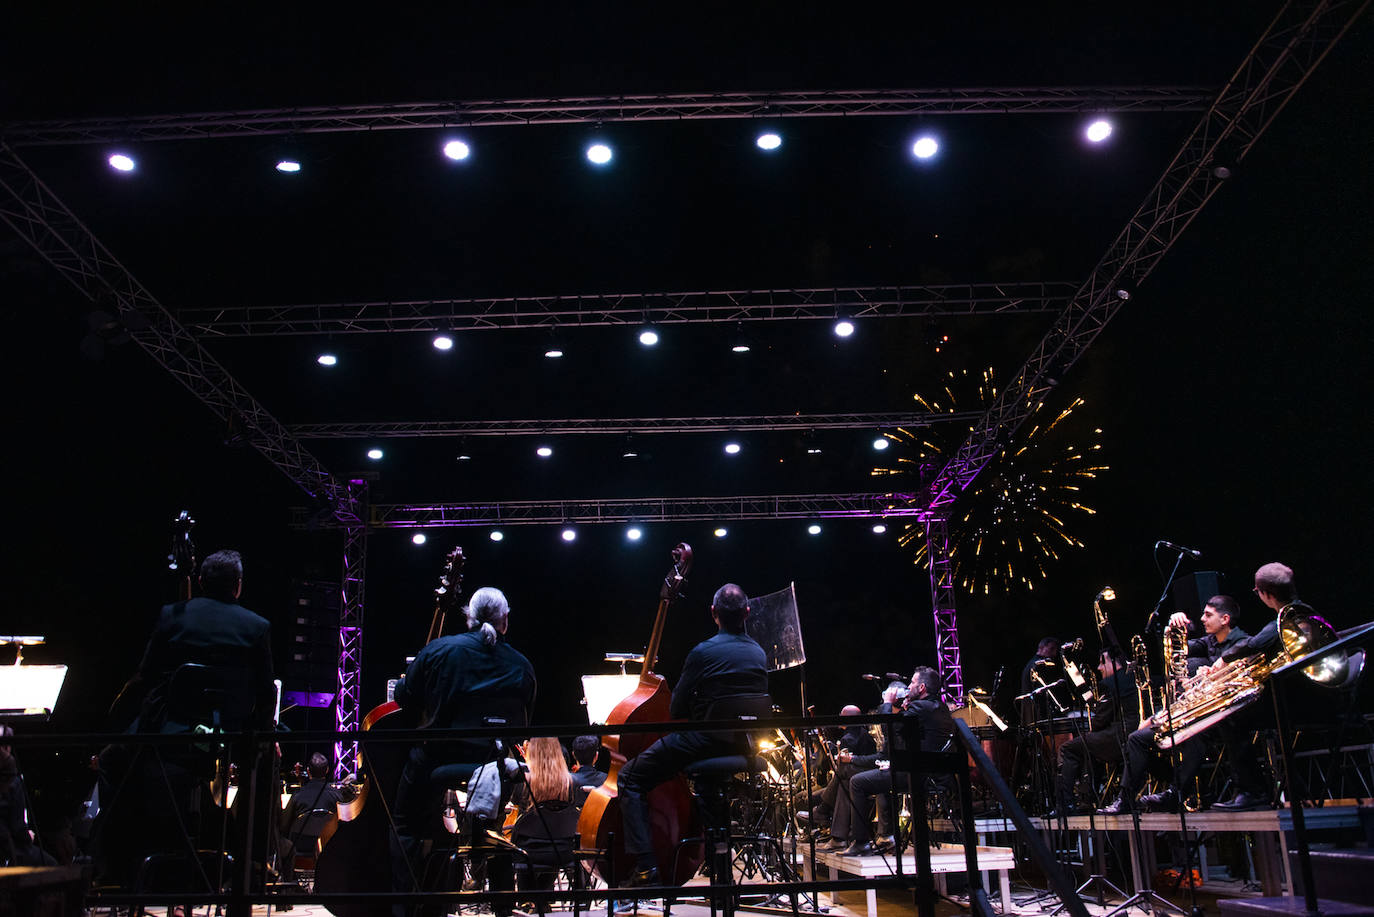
x=1115, y=700
x=936, y=727
x=720, y=678
x=585, y=775
x=1219, y=636
x=855, y=752
x=18, y=844
x=1042, y=669
x=548, y=801
x=461, y=681
x=299, y=831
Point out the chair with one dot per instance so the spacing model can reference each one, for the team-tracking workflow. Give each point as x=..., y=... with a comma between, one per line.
x=549, y=844
x=308, y=833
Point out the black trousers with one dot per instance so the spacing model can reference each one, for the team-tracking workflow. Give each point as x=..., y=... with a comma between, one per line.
x=1141, y=748
x=863, y=790
x=1074, y=756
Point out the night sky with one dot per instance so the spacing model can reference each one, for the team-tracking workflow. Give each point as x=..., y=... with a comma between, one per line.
x=1231, y=391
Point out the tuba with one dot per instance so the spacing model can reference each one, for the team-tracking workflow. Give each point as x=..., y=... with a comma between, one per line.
x=1175, y=645
x=1213, y=695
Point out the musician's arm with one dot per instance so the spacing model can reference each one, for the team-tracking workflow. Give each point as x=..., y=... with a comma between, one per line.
x=685, y=692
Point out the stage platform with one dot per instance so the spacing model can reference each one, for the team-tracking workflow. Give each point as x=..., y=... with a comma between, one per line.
x=943, y=859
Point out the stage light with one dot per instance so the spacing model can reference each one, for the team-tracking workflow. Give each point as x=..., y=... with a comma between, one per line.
x=418, y=538
x=599, y=154
x=288, y=165
x=732, y=448
x=925, y=147
x=843, y=328
x=813, y=451
x=496, y=535
x=569, y=535
x=879, y=528
x=813, y=529
x=457, y=150
x=634, y=533
x=464, y=457
x=648, y=337
x=630, y=451
x=881, y=443
x=768, y=141
x=443, y=342
x=553, y=353
x=741, y=347
x=544, y=451
x=374, y=454
x=1098, y=131
x=121, y=162
x=721, y=531
x=326, y=359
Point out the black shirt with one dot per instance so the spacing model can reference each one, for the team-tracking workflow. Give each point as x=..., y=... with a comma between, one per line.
x=727, y=665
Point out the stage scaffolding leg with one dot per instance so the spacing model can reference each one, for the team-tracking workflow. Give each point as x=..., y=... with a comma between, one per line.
x=942, y=604
x=347, y=703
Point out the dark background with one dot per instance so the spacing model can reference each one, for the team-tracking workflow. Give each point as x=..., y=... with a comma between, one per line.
x=1231, y=391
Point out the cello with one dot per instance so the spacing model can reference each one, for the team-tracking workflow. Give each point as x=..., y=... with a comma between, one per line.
x=357, y=857
x=672, y=811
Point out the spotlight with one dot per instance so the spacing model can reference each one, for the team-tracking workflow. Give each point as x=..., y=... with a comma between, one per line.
x=648, y=337
x=732, y=448
x=374, y=454
x=1221, y=171
x=925, y=147
x=457, y=150
x=569, y=535
x=443, y=342
x=741, y=347
x=881, y=443
x=553, y=353
x=768, y=141
x=634, y=533
x=741, y=344
x=630, y=451
x=813, y=450
x=599, y=154
x=1124, y=290
x=544, y=451
x=418, y=538
x=813, y=529
x=1098, y=131
x=464, y=457
x=288, y=165
x=496, y=535
x=721, y=531
x=879, y=528
x=326, y=359
x=843, y=328
x=121, y=162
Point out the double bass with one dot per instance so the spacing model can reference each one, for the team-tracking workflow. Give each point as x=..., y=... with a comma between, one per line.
x=357, y=857
x=672, y=811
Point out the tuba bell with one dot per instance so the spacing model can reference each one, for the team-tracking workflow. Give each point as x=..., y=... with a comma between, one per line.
x=1213, y=695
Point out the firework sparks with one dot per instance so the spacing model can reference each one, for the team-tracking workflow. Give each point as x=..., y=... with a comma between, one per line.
x=1017, y=518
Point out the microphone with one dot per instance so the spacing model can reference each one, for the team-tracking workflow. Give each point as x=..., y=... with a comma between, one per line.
x=870, y=678
x=1175, y=547
x=893, y=676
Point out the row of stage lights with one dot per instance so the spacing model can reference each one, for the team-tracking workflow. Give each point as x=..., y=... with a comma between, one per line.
x=732, y=447
x=635, y=533
x=599, y=153
x=648, y=337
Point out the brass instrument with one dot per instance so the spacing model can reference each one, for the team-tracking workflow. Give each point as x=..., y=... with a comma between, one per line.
x=1140, y=663
x=1175, y=647
x=1216, y=693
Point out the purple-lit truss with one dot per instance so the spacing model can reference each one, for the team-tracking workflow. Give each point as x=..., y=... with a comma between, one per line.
x=593, y=309
x=647, y=509
x=623, y=425
x=947, y=660
x=605, y=109
x=348, y=700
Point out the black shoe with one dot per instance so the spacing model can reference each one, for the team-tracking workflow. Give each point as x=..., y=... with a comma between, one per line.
x=1166, y=801
x=857, y=849
x=643, y=877
x=833, y=843
x=1118, y=806
x=1242, y=802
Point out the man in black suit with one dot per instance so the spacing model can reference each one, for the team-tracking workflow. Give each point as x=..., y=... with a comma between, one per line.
x=585, y=774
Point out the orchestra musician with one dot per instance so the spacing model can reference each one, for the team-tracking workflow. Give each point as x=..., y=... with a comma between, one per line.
x=1042, y=669
x=548, y=800
x=1219, y=636
x=461, y=681
x=585, y=775
x=722, y=677
x=936, y=728
x=1102, y=742
x=855, y=752
x=298, y=831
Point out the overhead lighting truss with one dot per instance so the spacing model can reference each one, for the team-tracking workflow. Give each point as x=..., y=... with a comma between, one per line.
x=637, y=425
x=591, y=309
x=648, y=509
x=326, y=119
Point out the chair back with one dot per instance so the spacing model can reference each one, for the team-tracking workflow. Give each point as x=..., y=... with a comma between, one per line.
x=548, y=833
x=217, y=696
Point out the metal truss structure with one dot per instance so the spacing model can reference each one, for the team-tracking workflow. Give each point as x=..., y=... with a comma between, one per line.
x=626, y=425
x=647, y=509
x=593, y=309
x=1294, y=44
x=947, y=659
x=348, y=700
x=42, y=220
x=606, y=109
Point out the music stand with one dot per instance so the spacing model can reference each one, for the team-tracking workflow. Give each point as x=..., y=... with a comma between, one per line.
x=28, y=690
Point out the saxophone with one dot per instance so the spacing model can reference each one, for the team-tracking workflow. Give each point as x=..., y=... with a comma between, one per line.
x=1216, y=693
